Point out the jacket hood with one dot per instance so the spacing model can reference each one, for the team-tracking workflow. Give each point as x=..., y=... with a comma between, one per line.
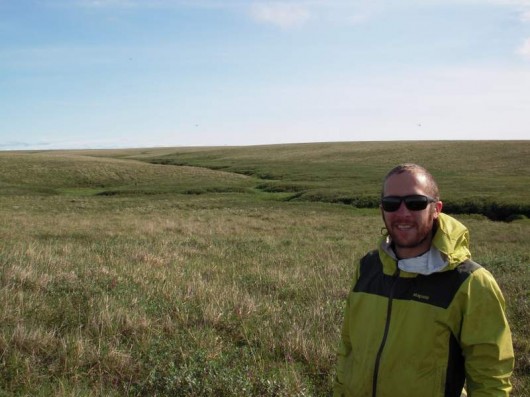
x=451, y=239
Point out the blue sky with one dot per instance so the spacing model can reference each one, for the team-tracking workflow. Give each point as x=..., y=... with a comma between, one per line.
x=139, y=73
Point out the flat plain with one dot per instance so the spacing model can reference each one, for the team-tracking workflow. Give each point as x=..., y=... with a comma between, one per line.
x=221, y=271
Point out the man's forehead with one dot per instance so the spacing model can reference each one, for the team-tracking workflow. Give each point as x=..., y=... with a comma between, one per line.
x=407, y=178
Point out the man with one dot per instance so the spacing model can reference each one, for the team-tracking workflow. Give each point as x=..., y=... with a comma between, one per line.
x=422, y=318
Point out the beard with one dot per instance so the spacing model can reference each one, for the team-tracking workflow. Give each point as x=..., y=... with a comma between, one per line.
x=411, y=235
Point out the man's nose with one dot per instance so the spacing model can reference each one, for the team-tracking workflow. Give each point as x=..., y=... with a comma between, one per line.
x=402, y=209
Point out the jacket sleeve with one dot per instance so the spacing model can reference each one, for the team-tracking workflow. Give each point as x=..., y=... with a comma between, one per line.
x=486, y=338
x=344, y=345
x=343, y=352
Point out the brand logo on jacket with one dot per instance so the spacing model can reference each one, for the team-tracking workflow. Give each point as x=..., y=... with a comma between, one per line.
x=421, y=297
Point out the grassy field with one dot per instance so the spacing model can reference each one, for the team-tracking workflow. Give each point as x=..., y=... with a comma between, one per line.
x=494, y=182
x=123, y=274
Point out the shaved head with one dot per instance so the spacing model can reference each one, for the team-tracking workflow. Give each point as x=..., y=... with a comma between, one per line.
x=419, y=172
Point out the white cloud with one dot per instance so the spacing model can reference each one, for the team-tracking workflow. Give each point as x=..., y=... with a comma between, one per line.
x=285, y=15
x=524, y=49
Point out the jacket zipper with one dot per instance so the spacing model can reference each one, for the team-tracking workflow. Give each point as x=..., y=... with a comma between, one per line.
x=385, y=334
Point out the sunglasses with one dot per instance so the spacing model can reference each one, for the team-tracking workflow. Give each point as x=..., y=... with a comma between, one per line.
x=414, y=202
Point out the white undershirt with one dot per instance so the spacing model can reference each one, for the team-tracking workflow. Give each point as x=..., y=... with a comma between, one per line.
x=428, y=263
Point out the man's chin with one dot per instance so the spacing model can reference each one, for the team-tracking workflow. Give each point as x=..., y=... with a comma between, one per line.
x=415, y=243
x=401, y=240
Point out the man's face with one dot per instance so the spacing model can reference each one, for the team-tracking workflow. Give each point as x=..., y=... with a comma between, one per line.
x=410, y=230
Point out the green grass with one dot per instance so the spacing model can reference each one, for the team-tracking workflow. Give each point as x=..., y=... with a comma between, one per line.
x=78, y=175
x=122, y=277
x=486, y=177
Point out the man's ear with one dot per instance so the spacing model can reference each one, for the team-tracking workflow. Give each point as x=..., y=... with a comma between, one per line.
x=437, y=208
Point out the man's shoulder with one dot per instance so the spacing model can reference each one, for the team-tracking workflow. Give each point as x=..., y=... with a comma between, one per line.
x=371, y=259
x=370, y=256
x=468, y=267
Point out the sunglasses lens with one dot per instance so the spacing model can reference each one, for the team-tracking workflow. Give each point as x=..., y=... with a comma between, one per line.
x=390, y=204
x=416, y=203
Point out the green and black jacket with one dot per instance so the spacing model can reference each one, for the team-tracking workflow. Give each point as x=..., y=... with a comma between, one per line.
x=410, y=335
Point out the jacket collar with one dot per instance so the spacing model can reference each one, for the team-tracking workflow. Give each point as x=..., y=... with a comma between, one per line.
x=450, y=247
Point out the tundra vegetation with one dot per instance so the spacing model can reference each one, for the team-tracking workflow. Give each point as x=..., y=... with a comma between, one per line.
x=221, y=271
